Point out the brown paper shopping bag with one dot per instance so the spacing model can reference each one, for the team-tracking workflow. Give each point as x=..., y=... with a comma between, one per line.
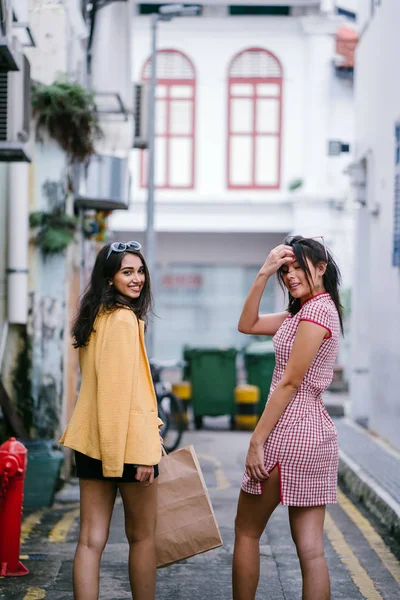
x=186, y=522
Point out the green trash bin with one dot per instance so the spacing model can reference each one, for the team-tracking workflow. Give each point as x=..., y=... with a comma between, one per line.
x=259, y=360
x=213, y=378
x=42, y=475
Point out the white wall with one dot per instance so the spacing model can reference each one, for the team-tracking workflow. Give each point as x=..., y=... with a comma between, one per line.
x=316, y=107
x=211, y=60
x=367, y=12
x=377, y=111
x=60, y=40
x=305, y=48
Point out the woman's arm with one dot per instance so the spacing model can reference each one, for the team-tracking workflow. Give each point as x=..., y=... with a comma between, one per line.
x=308, y=340
x=251, y=321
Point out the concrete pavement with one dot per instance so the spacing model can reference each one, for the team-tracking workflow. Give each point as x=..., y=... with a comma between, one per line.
x=360, y=560
x=370, y=469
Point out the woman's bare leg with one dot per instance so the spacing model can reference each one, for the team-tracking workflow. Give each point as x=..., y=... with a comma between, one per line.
x=140, y=505
x=307, y=525
x=252, y=517
x=97, y=502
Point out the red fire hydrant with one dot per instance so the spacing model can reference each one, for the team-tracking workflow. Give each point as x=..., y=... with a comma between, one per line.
x=13, y=462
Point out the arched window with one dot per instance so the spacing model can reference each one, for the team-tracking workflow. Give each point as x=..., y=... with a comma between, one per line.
x=254, y=120
x=175, y=121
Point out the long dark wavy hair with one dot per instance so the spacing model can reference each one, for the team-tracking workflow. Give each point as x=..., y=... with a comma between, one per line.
x=101, y=295
x=304, y=248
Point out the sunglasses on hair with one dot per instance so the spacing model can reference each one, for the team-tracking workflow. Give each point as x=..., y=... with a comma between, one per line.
x=123, y=247
x=318, y=237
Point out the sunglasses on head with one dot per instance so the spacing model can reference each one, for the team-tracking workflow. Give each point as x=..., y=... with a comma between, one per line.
x=123, y=247
x=318, y=237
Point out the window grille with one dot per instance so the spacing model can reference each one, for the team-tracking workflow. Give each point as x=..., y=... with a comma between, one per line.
x=254, y=120
x=175, y=121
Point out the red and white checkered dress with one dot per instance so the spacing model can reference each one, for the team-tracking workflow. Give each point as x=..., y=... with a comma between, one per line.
x=303, y=444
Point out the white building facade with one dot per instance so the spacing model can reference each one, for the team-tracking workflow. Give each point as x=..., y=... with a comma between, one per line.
x=247, y=102
x=375, y=378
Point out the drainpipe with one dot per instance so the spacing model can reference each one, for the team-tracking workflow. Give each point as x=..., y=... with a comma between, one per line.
x=18, y=240
x=3, y=342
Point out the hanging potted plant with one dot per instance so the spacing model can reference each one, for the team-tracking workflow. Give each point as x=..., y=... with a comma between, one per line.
x=67, y=113
x=56, y=230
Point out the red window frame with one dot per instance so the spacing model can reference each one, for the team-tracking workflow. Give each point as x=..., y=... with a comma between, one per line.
x=254, y=81
x=186, y=77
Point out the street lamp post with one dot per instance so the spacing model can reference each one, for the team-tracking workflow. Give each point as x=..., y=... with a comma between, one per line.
x=165, y=13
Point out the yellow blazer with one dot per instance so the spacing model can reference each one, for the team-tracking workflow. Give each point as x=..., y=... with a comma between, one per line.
x=115, y=418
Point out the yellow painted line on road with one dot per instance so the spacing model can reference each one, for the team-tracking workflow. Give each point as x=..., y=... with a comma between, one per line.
x=373, y=538
x=60, y=506
x=60, y=531
x=35, y=593
x=357, y=572
x=221, y=478
x=29, y=523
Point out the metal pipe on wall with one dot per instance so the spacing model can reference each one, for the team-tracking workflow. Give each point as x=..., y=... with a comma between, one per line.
x=151, y=236
x=18, y=240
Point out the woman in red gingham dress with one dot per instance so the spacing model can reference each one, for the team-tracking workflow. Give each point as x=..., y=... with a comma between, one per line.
x=293, y=453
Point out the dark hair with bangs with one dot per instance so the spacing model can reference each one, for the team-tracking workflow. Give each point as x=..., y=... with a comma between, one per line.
x=304, y=248
x=100, y=294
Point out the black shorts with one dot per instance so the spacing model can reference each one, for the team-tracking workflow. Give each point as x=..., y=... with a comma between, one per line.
x=91, y=468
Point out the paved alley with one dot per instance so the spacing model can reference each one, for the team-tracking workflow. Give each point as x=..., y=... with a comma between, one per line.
x=360, y=561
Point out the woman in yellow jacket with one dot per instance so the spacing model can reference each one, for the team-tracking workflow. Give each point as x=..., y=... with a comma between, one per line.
x=114, y=429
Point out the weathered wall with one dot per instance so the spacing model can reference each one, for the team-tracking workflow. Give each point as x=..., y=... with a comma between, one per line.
x=48, y=277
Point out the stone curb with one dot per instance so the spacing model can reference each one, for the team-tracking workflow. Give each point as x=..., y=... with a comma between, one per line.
x=369, y=493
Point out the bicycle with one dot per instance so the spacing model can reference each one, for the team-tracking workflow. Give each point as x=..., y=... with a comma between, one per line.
x=170, y=408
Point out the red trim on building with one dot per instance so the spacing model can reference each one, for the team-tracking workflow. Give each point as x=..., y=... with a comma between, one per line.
x=170, y=82
x=255, y=80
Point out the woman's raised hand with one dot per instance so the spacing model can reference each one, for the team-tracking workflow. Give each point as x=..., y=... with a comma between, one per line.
x=281, y=255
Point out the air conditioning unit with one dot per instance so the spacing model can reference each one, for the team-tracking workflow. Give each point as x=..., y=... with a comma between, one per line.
x=15, y=111
x=7, y=53
x=104, y=184
x=141, y=99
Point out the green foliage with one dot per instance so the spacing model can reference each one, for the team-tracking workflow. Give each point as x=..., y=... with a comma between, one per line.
x=36, y=219
x=66, y=111
x=56, y=230
x=295, y=184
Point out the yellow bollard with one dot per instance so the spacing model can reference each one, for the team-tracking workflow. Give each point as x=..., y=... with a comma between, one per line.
x=247, y=398
x=183, y=390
